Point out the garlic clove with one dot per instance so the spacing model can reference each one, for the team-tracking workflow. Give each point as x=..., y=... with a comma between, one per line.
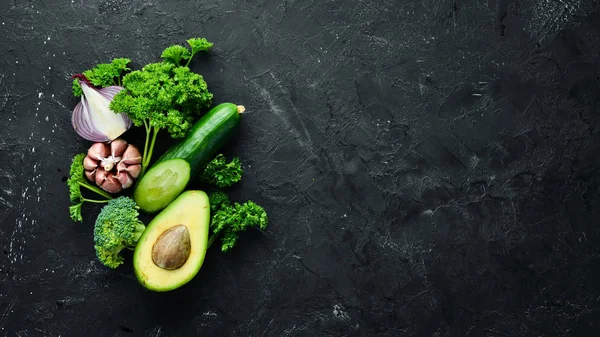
x=111, y=184
x=89, y=163
x=134, y=170
x=100, y=176
x=98, y=151
x=91, y=175
x=117, y=147
x=121, y=166
x=125, y=179
x=132, y=156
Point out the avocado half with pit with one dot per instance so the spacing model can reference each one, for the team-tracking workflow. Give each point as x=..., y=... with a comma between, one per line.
x=172, y=249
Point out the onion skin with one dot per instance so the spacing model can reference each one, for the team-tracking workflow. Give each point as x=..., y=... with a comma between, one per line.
x=112, y=166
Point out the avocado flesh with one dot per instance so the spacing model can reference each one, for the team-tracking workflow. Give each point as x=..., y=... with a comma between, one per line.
x=190, y=209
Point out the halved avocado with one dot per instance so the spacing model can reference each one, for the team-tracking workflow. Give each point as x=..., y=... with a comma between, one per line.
x=190, y=212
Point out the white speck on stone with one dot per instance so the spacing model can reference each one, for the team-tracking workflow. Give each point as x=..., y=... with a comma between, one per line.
x=339, y=313
x=48, y=38
x=33, y=150
x=17, y=61
x=47, y=119
x=49, y=67
x=40, y=95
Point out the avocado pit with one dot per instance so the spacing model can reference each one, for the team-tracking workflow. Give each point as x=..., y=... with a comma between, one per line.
x=172, y=248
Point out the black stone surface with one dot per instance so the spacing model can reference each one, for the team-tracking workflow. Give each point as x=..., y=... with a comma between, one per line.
x=430, y=168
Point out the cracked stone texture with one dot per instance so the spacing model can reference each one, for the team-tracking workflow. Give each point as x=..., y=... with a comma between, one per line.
x=430, y=168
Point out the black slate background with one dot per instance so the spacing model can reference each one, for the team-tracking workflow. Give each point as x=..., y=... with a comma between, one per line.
x=430, y=168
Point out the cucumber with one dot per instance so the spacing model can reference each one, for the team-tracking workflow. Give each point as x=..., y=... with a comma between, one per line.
x=153, y=191
x=162, y=184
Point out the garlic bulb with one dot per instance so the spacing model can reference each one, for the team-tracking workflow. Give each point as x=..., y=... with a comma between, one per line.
x=113, y=166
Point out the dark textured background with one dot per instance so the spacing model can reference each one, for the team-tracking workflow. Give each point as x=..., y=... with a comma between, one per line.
x=430, y=168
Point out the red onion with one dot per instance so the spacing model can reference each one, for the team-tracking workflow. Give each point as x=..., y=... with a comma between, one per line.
x=92, y=118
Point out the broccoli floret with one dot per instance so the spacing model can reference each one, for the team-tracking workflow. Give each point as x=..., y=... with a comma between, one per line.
x=117, y=227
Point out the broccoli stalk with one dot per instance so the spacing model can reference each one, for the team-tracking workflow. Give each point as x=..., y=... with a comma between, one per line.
x=229, y=220
x=117, y=227
x=75, y=182
x=164, y=95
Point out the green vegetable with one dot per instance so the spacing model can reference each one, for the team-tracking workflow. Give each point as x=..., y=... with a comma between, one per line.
x=162, y=184
x=164, y=95
x=75, y=182
x=103, y=75
x=229, y=220
x=117, y=227
x=176, y=235
x=218, y=199
x=207, y=136
x=221, y=173
x=176, y=53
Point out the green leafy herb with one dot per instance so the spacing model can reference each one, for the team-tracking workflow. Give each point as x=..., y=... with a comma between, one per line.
x=217, y=200
x=103, y=75
x=229, y=220
x=75, y=182
x=161, y=96
x=221, y=173
x=175, y=54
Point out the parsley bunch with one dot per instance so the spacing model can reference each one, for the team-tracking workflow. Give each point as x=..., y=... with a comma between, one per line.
x=229, y=220
x=164, y=95
x=221, y=173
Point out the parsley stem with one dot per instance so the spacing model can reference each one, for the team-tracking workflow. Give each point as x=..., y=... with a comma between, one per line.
x=189, y=60
x=94, y=201
x=95, y=189
x=211, y=240
x=148, y=154
x=147, y=126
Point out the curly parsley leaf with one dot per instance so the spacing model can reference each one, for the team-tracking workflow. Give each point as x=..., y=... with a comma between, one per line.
x=103, y=75
x=221, y=173
x=230, y=220
x=175, y=54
